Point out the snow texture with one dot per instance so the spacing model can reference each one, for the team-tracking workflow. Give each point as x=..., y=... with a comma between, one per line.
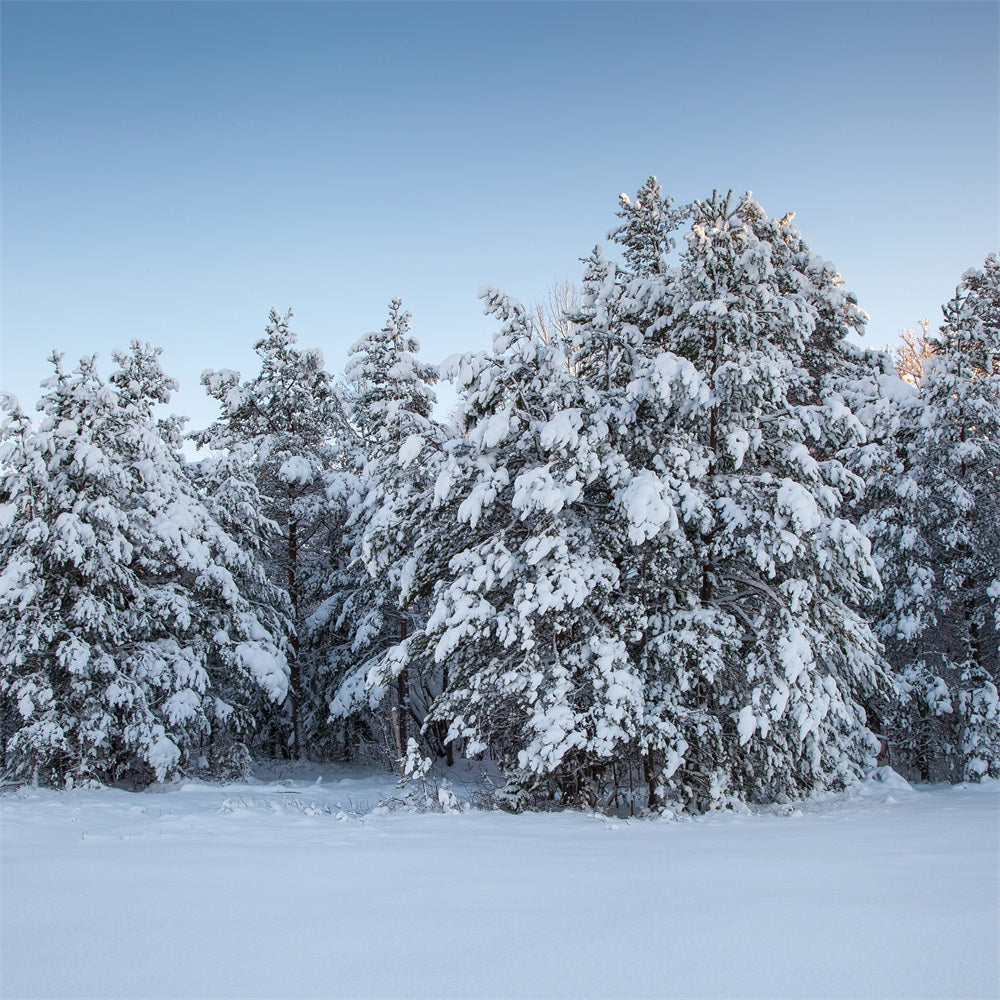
x=309, y=887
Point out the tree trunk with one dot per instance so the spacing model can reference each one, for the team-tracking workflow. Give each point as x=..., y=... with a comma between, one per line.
x=403, y=692
x=449, y=747
x=294, y=674
x=654, y=800
x=973, y=646
x=708, y=567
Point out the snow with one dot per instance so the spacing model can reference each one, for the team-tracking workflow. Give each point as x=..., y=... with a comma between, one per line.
x=536, y=491
x=162, y=754
x=296, y=470
x=492, y=431
x=410, y=449
x=269, y=670
x=561, y=430
x=313, y=886
x=737, y=442
x=647, y=508
x=800, y=506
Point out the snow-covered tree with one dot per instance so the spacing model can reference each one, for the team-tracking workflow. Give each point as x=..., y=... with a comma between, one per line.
x=365, y=611
x=522, y=573
x=956, y=463
x=285, y=421
x=932, y=511
x=648, y=228
x=136, y=637
x=228, y=488
x=756, y=656
x=642, y=558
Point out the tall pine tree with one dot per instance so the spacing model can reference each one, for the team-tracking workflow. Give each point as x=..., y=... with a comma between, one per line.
x=286, y=421
x=366, y=611
x=137, y=637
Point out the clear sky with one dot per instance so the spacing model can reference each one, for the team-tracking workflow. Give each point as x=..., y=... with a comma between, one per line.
x=172, y=170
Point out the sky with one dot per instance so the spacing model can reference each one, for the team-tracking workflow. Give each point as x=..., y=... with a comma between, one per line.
x=171, y=171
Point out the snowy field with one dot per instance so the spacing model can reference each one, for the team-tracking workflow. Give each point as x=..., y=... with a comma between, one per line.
x=286, y=887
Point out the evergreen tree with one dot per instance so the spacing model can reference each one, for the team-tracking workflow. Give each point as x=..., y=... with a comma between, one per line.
x=931, y=510
x=955, y=461
x=890, y=513
x=779, y=663
x=641, y=557
x=647, y=231
x=522, y=579
x=365, y=611
x=228, y=487
x=286, y=420
x=136, y=635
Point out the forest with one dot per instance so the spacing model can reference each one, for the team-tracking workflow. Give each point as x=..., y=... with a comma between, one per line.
x=683, y=542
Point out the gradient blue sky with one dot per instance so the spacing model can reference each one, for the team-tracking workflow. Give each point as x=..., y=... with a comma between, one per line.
x=172, y=170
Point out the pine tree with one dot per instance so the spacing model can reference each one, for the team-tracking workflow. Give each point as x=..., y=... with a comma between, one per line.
x=391, y=412
x=775, y=566
x=646, y=233
x=227, y=485
x=754, y=667
x=638, y=559
x=136, y=636
x=955, y=460
x=287, y=419
x=521, y=575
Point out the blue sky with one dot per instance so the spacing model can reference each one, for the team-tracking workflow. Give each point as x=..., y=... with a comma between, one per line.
x=172, y=170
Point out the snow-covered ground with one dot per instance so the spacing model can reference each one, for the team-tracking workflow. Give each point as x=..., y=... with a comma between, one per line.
x=288, y=888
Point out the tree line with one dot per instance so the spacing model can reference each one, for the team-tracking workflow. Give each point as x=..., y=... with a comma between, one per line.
x=681, y=542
